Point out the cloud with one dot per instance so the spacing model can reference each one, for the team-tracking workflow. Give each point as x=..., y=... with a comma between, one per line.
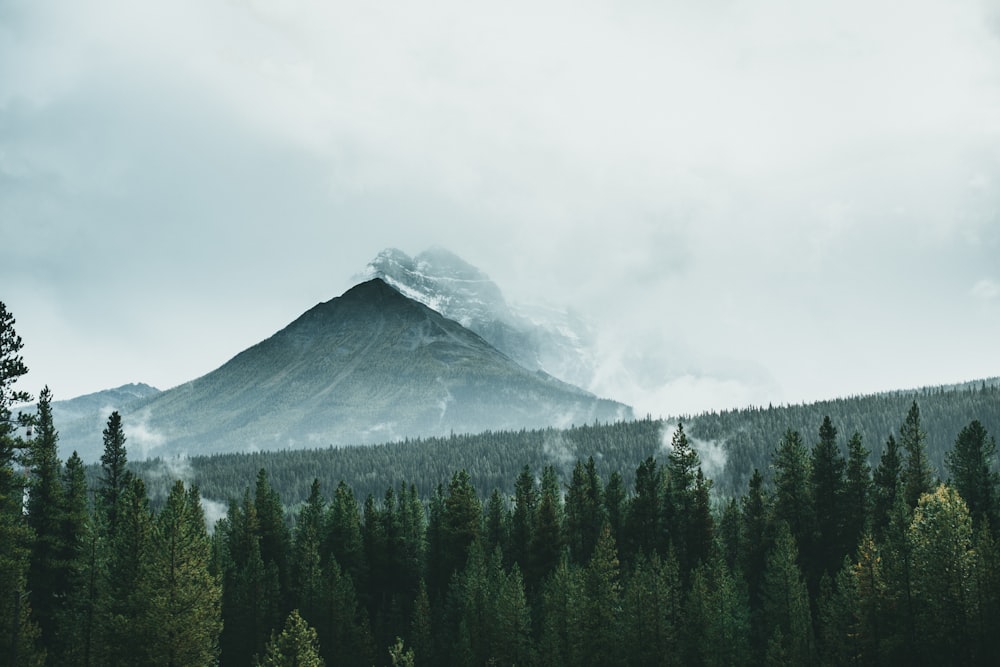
x=559, y=451
x=986, y=290
x=711, y=453
x=183, y=178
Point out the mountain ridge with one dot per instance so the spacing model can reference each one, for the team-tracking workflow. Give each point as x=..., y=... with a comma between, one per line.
x=371, y=365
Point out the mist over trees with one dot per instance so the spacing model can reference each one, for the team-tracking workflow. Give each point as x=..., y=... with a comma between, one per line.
x=600, y=545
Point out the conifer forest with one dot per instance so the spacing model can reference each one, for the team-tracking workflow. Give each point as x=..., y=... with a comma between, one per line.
x=822, y=545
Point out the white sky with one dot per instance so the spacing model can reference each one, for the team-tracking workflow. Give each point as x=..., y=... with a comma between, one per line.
x=773, y=200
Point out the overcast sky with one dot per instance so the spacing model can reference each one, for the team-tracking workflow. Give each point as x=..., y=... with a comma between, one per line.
x=777, y=200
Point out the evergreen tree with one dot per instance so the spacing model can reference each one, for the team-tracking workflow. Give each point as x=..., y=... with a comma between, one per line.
x=584, y=511
x=496, y=524
x=422, y=629
x=342, y=539
x=679, y=502
x=972, y=464
x=306, y=571
x=718, y=617
x=48, y=572
x=643, y=525
x=857, y=492
x=460, y=522
x=18, y=631
x=182, y=618
x=786, y=601
x=614, y=505
x=872, y=638
x=943, y=571
x=275, y=538
x=250, y=591
x=296, y=646
x=547, y=540
x=124, y=635
x=653, y=609
x=792, y=502
x=561, y=600
x=344, y=631
x=596, y=615
x=917, y=474
x=827, y=487
x=522, y=519
x=115, y=477
x=886, y=486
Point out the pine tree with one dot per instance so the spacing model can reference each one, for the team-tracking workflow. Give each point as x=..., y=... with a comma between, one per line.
x=275, y=538
x=943, y=571
x=561, y=601
x=653, y=609
x=250, y=591
x=460, y=522
x=792, y=502
x=717, y=618
x=48, y=572
x=584, y=511
x=547, y=541
x=342, y=536
x=522, y=519
x=115, y=477
x=306, y=570
x=917, y=474
x=857, y=492
x=596, y=616
x=124, y=636
x=886, y=486
x=827, y=489
x=614, y=505
x=182, y=618
x=786, y=601
x=972, y=464
x=18, y=631
x=643, y=526
x=296, y=646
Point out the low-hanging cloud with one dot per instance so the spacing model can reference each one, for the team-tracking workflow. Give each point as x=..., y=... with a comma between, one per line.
x=711, y=453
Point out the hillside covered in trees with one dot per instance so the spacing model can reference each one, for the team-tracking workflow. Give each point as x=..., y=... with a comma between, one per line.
x=731, y=443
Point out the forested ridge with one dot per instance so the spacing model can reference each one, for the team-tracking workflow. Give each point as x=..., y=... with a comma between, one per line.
x=832, y=555
x=735, y=442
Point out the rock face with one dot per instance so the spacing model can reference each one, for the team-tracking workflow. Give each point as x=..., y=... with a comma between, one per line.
x=538, y=338
x=369, y=366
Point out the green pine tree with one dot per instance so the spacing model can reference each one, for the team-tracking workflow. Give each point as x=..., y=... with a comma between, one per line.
x=296, y=646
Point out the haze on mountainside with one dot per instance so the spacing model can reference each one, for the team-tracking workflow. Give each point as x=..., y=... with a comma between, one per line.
x=367, y=367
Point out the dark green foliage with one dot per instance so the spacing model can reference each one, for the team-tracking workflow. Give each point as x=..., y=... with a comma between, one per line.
x=181, y=619
x=827, y=493
x=786, y=608
x=857, y=492
x=115, y=476
x=917, y=473
x=792, y=499
x=653, y=604
x=972, y=464
x=718, y=617
x=49, y=572
x=584, y=511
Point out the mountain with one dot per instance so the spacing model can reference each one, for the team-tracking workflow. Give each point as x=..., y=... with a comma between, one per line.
x=369, y=366
x=554, y=340
x=80, y=420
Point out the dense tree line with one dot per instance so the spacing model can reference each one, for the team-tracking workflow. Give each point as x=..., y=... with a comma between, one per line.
x=732, y=444
x=828, y=556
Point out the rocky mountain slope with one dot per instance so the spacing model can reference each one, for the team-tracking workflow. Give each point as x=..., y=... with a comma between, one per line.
x=369, y=366
x=556, y=341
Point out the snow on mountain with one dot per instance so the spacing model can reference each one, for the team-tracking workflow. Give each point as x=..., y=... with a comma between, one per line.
x=553, y=340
